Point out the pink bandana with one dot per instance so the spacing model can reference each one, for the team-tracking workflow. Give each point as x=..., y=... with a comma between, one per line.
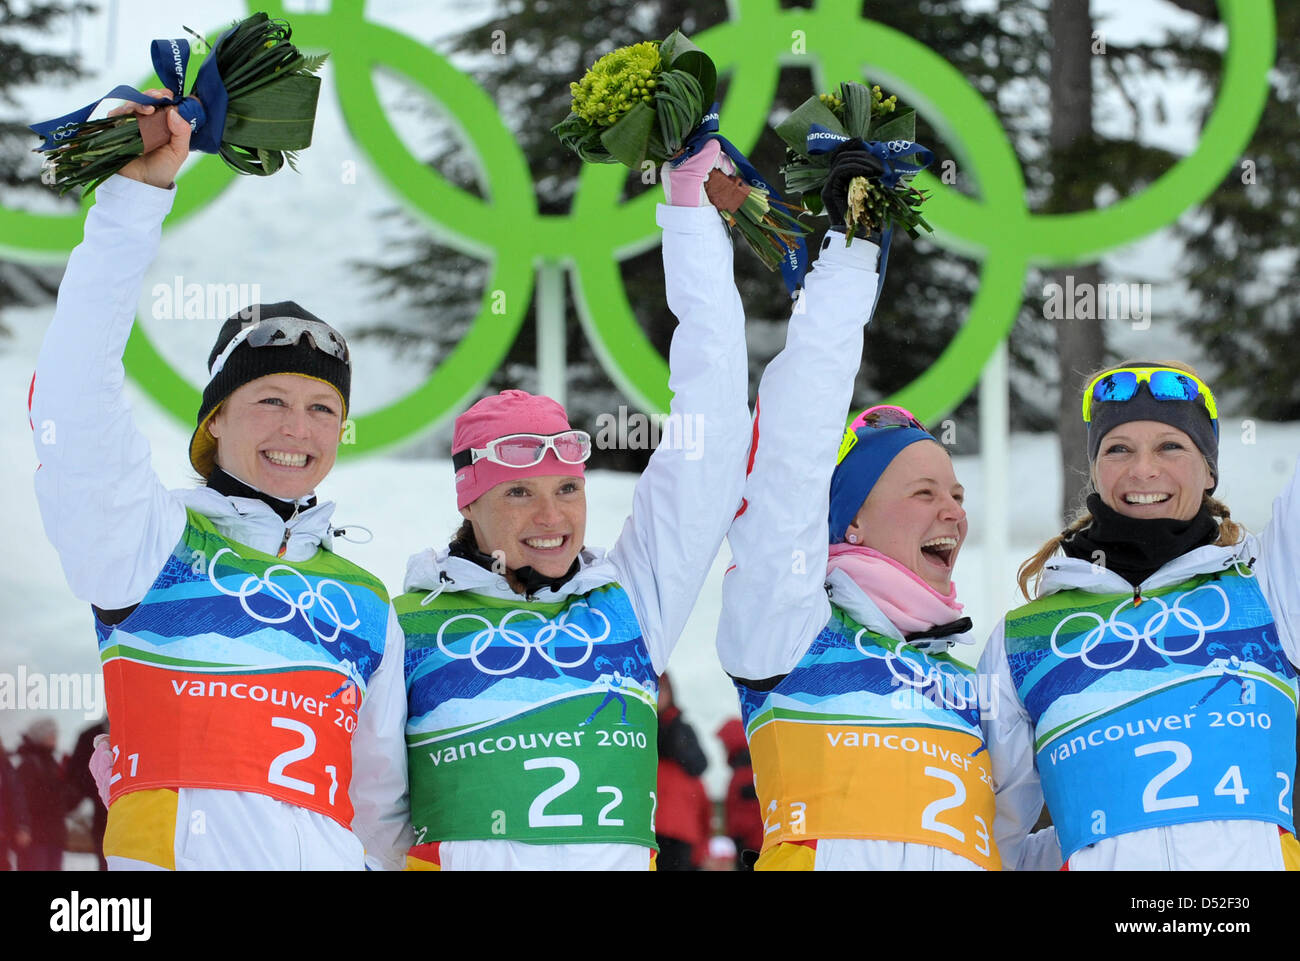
x=509, y=412
x=909, y=602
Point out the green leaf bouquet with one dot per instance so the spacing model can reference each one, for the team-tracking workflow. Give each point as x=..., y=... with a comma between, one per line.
x=653, y=102
x=857, y=113
x=253, y=102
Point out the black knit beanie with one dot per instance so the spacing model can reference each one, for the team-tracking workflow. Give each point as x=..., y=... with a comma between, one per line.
x=247, y=363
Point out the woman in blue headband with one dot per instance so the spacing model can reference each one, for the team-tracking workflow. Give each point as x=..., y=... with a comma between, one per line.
x=864, y=731
x=1147, y=691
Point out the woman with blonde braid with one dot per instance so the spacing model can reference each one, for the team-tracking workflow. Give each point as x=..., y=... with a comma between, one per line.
x=1147, y=691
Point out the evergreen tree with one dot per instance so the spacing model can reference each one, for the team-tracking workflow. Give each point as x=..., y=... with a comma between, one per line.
x=20, y=65
x=1070, y=165
x=1004, y=52
x=1242, y=245
x=928, y=290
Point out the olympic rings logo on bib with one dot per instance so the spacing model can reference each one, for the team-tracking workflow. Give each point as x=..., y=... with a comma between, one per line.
x=312, y=597
x=548, y=631
x=952, y=691
x=1123, y=631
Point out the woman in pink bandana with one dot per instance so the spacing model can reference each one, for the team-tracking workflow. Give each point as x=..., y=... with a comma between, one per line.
x=532, y=657
x=864, y=731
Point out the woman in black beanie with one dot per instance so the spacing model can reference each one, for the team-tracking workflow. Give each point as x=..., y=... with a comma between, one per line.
x=1147, y=691
x=253, y=677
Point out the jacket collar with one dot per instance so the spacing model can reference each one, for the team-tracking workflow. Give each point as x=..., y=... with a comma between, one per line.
x=232, y=486
x=250, y=521
x=845, y=594
x=437, y=571
x=1070, y=573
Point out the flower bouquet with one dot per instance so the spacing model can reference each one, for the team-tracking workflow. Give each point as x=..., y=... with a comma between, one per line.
x=653, y=102
x=868, y=119
x=253, y=102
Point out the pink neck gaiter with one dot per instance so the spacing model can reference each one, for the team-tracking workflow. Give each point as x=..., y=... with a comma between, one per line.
x=909, y=602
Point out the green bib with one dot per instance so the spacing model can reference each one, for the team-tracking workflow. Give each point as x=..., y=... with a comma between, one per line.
x=529, y=721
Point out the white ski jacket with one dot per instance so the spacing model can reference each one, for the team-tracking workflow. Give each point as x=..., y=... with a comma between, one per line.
x=115, y=525
x=777, y=596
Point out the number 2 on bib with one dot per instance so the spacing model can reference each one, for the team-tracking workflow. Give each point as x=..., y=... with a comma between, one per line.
x=570, y=775
x=929, y=817
x=305, y=750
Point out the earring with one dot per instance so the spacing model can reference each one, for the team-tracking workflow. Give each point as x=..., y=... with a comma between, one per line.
x=853, y=538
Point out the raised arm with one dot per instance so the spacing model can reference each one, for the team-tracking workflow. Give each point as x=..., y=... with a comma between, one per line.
x=104, y=509
x=691, y=488
x=774, y=603
x=1279, y=557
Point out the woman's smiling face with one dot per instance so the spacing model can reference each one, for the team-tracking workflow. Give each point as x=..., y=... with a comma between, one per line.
x=914, y=514
x=538, y=522
x=1146, y=469
x=279, y=433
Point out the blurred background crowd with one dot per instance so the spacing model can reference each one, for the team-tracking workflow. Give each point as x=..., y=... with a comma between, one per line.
x=49, y=805
x=52, y=818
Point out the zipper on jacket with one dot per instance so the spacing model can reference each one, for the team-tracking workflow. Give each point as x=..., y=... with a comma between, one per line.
x=284, y=543
x=1137, y=595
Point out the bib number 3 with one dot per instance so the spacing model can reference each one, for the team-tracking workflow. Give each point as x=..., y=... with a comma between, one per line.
x=930, y=815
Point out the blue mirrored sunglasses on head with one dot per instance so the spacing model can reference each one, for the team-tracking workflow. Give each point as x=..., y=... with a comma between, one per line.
x=1165, y=383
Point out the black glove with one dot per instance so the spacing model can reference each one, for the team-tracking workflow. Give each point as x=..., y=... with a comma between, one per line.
x=848, y=161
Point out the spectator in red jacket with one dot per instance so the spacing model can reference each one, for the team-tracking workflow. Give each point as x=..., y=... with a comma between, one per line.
x=742, y=819
x=8, y=801
x=684, y=813
x=44, y=798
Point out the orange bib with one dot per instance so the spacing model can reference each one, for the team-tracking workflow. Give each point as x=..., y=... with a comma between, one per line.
x=879, y=782
x=287, y=734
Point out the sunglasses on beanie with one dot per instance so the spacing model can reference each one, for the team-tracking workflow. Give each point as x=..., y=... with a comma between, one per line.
x=1165, y=383
x=527, y=450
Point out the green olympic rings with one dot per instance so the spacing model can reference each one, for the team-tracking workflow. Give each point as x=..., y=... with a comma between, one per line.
x=507, y=229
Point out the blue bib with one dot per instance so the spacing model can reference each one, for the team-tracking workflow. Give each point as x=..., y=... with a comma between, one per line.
x=1177, y=709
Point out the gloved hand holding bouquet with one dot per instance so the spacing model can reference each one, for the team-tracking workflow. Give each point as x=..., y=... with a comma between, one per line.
x=854, y=155
x=651, y=102
x=253, y=102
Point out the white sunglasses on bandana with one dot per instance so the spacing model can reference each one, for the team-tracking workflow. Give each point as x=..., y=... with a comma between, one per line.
x=526, y=450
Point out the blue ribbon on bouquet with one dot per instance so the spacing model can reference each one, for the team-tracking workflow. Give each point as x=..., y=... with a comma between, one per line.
x=795, y=262
x=204, y=108
x=893, y=156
